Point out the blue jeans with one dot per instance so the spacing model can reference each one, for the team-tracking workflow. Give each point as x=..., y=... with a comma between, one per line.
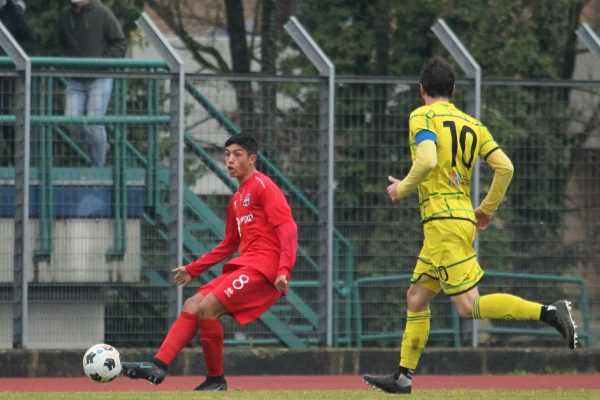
x=91, y=98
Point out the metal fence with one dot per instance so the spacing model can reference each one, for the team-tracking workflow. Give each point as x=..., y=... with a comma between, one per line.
x=541, y=245
x=100, y=242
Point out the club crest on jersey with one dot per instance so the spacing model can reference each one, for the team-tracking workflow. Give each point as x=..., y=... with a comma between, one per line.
x=246, y=201
x=454, y=179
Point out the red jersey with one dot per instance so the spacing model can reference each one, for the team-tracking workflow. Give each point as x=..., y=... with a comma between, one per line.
x=253, y=215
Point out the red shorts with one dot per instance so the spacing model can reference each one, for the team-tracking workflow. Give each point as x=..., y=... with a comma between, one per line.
x=245, y=293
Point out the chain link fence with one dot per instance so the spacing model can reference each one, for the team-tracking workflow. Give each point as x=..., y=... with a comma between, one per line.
x=541, y=244
x=100, y=243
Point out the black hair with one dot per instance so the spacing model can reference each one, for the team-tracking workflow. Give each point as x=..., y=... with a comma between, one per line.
x=437, y=78
x=245, y=141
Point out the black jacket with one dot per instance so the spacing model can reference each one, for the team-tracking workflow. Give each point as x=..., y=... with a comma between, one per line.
x=11, y=16
x=92, y=31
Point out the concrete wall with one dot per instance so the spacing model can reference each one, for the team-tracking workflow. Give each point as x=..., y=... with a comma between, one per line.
x=72, y=316
x=57, y=325
x=79, y=255
x=281, y=361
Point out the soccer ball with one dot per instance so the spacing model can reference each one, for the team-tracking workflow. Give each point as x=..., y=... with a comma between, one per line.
x=101, y=363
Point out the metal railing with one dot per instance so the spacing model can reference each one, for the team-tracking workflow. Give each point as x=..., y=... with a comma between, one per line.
x=453, y=325
x=127, y=155
x=539, y=231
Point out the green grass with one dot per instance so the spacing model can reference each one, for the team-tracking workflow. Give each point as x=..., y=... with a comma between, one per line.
x=309, y=395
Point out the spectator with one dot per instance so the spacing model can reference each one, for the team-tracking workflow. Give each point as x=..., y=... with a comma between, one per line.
x=86, y=28
x=12, y=17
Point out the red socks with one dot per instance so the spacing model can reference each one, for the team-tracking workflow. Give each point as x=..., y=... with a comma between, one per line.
x=211, y=339
x=180, y=335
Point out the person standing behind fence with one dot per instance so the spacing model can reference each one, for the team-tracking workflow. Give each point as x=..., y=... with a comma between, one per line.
x=87, y=28
x=13, y=18
x=445, y=144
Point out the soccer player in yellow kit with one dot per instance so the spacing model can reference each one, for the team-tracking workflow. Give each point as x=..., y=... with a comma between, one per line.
x=445, y=144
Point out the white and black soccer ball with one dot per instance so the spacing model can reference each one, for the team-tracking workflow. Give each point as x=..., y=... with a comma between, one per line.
x=102, y=363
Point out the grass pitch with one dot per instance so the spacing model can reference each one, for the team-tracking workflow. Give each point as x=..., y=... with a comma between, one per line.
x=309, y=395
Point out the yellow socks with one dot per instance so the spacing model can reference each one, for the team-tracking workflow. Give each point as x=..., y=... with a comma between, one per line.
x=505, y=306
x=415, y=337
x=493, y=306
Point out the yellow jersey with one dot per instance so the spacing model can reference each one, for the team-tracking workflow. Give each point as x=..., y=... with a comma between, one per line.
x=460, y=139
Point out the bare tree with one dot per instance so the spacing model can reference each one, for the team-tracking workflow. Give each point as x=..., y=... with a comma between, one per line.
x=188, y=19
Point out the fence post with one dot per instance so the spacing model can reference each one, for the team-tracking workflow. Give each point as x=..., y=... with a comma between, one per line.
x=590, y=39
x=473, y=71
x=326, y=169
x=22, y=251
x=176, y=144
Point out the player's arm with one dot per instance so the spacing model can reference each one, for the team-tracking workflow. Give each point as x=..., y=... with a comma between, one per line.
x=287, y=233
x=425, y=161
x=224, y=249
x=503, y=173
x=279, y=215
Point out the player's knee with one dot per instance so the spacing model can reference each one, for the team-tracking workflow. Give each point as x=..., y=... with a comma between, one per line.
x=464, y=310
x=415, y=301
x=410, y=298
x=192, y=305
x=205, y=311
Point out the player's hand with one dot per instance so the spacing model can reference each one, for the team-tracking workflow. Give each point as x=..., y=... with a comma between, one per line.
x=482, y=219
x=181, y=276
x=392, y=189
x=281, y=283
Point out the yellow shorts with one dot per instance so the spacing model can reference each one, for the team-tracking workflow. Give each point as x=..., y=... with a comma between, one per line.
x=447, y=260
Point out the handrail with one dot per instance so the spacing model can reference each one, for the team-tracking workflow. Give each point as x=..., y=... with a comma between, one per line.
x=216, y=114
x=455, y=331
x=81, y=62
x=119, y=248
x=106, y=119
x=273, y=171
x=119, y=121
x=216, y=226
x=96, y=62
x=45, y=246
x=231, y=128
x=84, y=119
x=583, y=295
x=358, y=329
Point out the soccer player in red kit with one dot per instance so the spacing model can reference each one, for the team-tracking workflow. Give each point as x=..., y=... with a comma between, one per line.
x=259, y=223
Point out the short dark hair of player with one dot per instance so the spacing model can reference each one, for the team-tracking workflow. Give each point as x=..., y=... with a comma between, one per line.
x=245, y=141
x=437, y=78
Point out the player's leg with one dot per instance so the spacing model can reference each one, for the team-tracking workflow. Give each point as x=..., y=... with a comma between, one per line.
x=460, y=272
x=507, y=306
x=495, y=306
x=211, y=336
x=245, y=294
x=416, y=332
x=186, y=327
x=422, y=291
x=180, y=335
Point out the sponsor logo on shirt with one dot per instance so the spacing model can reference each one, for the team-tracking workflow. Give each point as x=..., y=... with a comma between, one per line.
x=454, y=179
x=244, y=219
